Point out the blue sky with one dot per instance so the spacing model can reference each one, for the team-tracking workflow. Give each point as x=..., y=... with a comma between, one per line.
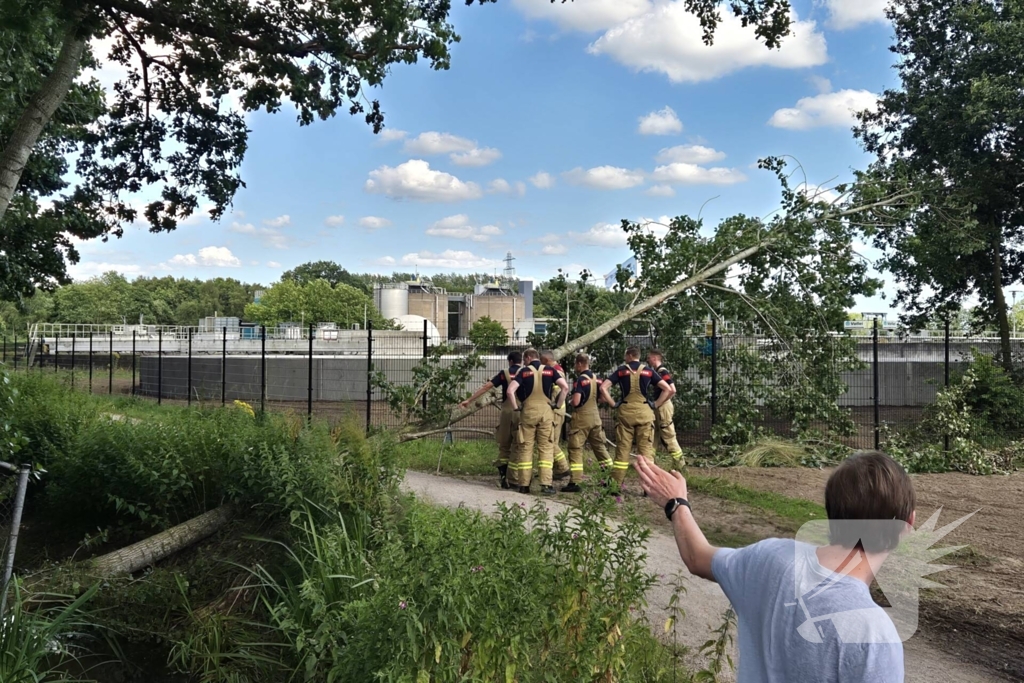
x=553, y=123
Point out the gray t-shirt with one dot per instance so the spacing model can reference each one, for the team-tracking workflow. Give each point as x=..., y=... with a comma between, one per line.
x=799, y=621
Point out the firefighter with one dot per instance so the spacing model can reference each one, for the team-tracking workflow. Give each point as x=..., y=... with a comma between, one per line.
x=561, y=464
x=531, y=392
x=585, y=425
x=664, y=427
x=509, y=421
x=635, y=419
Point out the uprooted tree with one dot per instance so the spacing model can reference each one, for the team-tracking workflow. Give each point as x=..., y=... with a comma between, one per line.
x=795, y=271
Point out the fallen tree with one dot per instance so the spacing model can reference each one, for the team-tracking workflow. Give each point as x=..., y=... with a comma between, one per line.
x=805, y=233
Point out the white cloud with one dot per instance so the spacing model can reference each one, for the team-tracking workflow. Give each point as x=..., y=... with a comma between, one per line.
x=679, y=173
x=601, y=235
x=334, y=221
x=828, y=109
x=689, y=154
x=604, y=177
x=271, y=237
x=554, y=249
x=384, y=261
x=279, y=222
x=273, y=264
x=479, y=156
x=392, y=135
x=449, y=258
x=661, y=122
x=660, y=191
x=583, y=15
x=542, y=181
x=433, y=142
x=373, y=222
x=502, y=186
x=667, y=40
x=459, y=227
x=212, y=257
x=846, y=14
x=417, y=181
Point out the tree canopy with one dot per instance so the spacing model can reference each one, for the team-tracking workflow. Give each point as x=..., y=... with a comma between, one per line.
x=486, y=334
x=953, y=131
x=314, y=302
x=171, y=135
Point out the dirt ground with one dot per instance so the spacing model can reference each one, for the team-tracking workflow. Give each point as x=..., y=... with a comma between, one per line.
x=980, y=616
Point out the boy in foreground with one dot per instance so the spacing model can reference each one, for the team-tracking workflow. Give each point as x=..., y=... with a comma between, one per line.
x=805, y=612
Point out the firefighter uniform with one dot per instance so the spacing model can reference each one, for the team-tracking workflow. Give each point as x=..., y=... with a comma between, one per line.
x=561, y=464
x=635, y=424
x=585, y=427
x=508, y=423
x=664, y=427
x=536, y=387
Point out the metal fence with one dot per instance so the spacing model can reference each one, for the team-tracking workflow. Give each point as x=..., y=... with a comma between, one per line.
x=327, y=372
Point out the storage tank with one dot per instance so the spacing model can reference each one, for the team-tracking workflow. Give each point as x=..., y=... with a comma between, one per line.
x=414, y=323
x=391, y=299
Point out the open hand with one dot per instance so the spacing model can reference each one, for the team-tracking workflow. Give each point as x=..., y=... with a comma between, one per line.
x=660, y=486
x=464, y=404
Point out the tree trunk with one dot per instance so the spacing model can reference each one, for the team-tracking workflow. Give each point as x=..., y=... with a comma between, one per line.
x=601, y=330
x=37, y=114
x=155, y=548
x=1002, y=316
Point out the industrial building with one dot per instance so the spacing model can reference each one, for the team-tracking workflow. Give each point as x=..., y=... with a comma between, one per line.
x=450, y=315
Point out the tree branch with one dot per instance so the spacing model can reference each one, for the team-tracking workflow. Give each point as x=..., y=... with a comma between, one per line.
x=162, y=17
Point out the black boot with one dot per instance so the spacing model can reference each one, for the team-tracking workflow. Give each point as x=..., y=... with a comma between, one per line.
x=571, y=487
x=524, y=489
x=547, y=490
x=503, y=476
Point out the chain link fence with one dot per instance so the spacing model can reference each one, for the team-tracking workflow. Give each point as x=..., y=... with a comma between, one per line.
x=872, y=382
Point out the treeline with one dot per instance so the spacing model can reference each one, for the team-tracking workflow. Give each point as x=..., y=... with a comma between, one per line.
x=301, y=295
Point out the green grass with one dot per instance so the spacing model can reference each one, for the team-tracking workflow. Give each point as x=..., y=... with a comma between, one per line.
x=794, y=511
x=459, y=458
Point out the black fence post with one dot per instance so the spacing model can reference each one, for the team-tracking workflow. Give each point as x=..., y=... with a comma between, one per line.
x=263, y=368
x=714, y=372
x=189, y=380
x=159, y=366
x=369, y=373
x=90, y=362
x=309, y=386
x=134, y=356
x=224, y=366
x=874, y=380
x=15, y=350
x=426, y=352
x=73, y=336
x=56, y=351
x=110, y=353
x=945, y=437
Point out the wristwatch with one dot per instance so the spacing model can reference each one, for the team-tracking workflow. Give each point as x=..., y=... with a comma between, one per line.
x=675, y=504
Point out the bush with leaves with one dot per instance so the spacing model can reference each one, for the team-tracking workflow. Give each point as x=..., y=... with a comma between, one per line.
x=487, y=334
x=441, y=377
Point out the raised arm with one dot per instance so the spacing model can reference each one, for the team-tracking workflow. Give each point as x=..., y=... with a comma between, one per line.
x=511, y=393
x=479, y=392
x=661, y=487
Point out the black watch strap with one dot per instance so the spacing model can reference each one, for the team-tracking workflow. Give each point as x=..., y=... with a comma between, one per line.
x=675, y=504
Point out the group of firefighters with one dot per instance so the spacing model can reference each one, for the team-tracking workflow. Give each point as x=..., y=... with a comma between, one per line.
x=535, y=394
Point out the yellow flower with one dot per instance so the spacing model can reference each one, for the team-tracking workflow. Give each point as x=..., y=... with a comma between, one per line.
x=246, y=407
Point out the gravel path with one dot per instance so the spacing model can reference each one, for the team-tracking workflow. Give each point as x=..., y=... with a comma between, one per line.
x=704, y=602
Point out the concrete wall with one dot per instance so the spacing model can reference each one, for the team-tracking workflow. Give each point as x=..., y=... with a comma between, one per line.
x=334, y=378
